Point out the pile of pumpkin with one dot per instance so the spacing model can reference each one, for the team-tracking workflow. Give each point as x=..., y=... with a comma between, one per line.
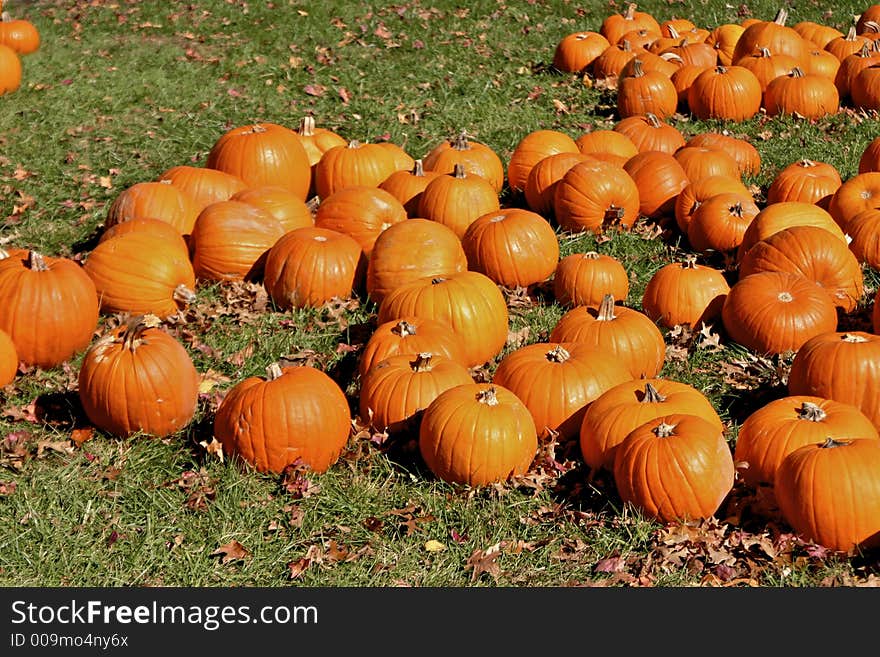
x=313, y=216
x=18, y=37
x=730, y=71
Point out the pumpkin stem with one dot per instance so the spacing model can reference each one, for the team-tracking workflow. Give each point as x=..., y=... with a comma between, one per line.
x=652, y=120
x=806, y=163
x=458, y=171
x=418, y=168
x=438, y=280
x=422, y=363
x=630, y=12
x=354, y=143
x=652, y=395
x=558, y=354
x=182, y=294
x=690, y=262
x=781, y=16
x=852, y=337
x=488, y=396
x=403, y=328
x=313, y=204
x=737, y=210
x=606, y=309
x=36, y=262
x=785, y=297
x=664, y=430
x=307, y=126
x=830, y=442
x=637, y=69
x=273, y=371
x=797, y=72
x=257, y=129
x=673, y=33
x=591, y=255
x=810, y=411
x=460, y=141
x=625, y=45
x=3, y=254
x=134, y=329
x=763, y=52
x=872, y=26
x=851, y=34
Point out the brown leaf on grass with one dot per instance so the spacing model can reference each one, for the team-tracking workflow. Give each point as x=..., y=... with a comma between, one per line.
x=7, y=488
x=199, y=487
x=344, y=95
x=213, y=448
x=26, y=413
x=79, y=436
x=211, y=378
x=295, y=480
x=315, y=89
x=485, y=561
x=232, y=551
x=518, y=337
x=410, y=518
x=57, y=446
x=295, y=569
x=615, y=564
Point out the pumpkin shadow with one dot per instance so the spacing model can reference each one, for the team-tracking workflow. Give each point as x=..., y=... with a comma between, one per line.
x=62, y=410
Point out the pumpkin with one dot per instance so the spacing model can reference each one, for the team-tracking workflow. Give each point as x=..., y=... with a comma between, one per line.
x=685, y=293
x=774, y=35
x=21, y=35
x=10, y=70
x=8, y=359
x=747, y=156
x=693, y=53
x=530, y=150
x=723, y=39
x=866, y=21
x=720, y=222
x=704, y=161
x=659, y=178
x=850, y=66
x=285, y=206
x=649, y=133
x=805, y=95
x=309, y=266
x=610, y=63
x=542, y=180
x=230, y=241
x=829, y=493
x=264, y=154
x=869, y=160
x=402, y=160
x=156, y=227
x=731, y=93
x=477, y=434
x=614, y=26
x=822, y=62
x=701, y=190
x=469, y=302
x=411, y=336
x=810, y=252
x=317, y=141
x=863, y=231
x=785, y=214
x=817, y=33
x=575, y=52
x=138, y=379
x=513, y=246
x=860, y=192
x=292, y=416
x=628, y=405
x=843, y=46
x=806, y=181
x=682, y=79
x=640, y=38
x=776, y=429
x=557, y=382
x=49, y=309
x=361, y=211
x=203, y=185
x=456, y=200
x=776, y=312
x=583, y=279
x=154, y=200
x=599, y=142
x=593, y=196
x=394, y=262
x=625, y=332
x=645, y=92
x=395, y=391
x=844, y=366
x=674, y=468
x=355, y=163
x=407, y=186
x=767, y=66
x=475, y=157
x=865, y=89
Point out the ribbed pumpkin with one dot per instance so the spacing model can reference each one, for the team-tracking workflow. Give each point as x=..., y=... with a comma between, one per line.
x=476, y=158
x=723, y=39
x=293, y=415
x=575, y=52
x=860, y=192
x=720, y=222
x=682, y=79
x=649, y=133
x=627, y=333
x=775, y=430
x=746, y=155
x=805, y=95
x=138, y=379
x=544, y=176
x=863, y=230
x=397, y=389
x=699, y=191
x=290, y=211
x=830, y=493
x=845, y=45
x=731, y=93
x=865, y=88
x=614, y=26
x=10, y=70
x=583, y=279
x=138, y=273
x=785, y=214
x=156, y=227
x=21, y=35
x=810, y=252
x=557, y=382
x=309, y=266
x=410, y=336
x=775, y=312
x=394, y=261
x=154, y=200
x=611, y=61
x=701, y=162
x=870, y=157
x=361, y=211
x=659, y=178
x=674, y=468
x=685, y=293
x=470, y=302
x=477, y=434
x=806, y=181
x=844, y=366
x=850, y=66
x=8, y=359
x=595, y=195
x=230, y=241
x=49, y=309
x=264, y=154
x=817, y=33
x=606, y=142
x=530, y=150
x=767, y=66
x=628, y=405
x=456, y=200
x=774, y=35
x=645, y=92
x=317, y=141
x=512, y=246
x=203, y=185
x=355, y=163
x=407, y=186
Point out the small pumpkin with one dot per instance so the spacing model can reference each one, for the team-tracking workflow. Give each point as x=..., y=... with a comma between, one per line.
x=361, y=211
x=593, y=196
x=456, y=200
x=685, y=293
x=285, y=206
x=474, y=156
x=154, y=200
x=530, y=150
x=576, y=51
x=650, y=133
x=583, y=279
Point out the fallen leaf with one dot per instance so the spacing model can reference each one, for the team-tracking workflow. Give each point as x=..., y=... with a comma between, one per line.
x=232, y=551
x=434, y=546
x=215, y=448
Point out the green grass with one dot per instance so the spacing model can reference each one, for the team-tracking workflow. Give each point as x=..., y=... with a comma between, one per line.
x=121, y=91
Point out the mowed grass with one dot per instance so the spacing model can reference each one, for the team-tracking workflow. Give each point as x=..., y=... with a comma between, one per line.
x=122, y=90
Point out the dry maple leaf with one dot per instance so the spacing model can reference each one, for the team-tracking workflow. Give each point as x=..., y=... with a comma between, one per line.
x=485, y=561
x=213, y=448
x=232, y=551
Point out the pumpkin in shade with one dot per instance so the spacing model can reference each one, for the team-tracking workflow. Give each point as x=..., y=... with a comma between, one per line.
x=829, y=493
x=264, y=154
x=674, y=468
x=847, y=44
x=583, y=279
x=361, y=211
x=292, y=416
x=49, y=309
x=595, y=195
x=863, y=230
x=575, y=52
x=8, y=359
x=355, y=163
x=477, y=434
x=394, y=262
x=309, y=266
x=230, y=241
x=649, y=133
x=625, y=332
x=470, y=302
x=864, y=89
x=659, y=178
x=628, y=405
x=290, y=211
x=407, y=186
x=456, y=200
x=138, y=379
x=858, y=193
x=512, y=246
x=10, y=70
x=476, y=158
x=203, y=185
x=775, y=312
x=411, y=336
x=533, y=148
x=844, y=366
x=154, y=200
x=397, y=389
x=557, y=382
x=869, y=160
x=685, y=293
x=776, y=429
x=138, y=273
